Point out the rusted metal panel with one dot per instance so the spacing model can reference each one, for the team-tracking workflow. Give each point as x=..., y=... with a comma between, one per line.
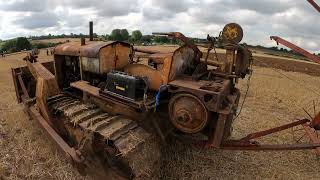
x=68, y=49
x=108, y=59
x=98, y=56
x=123, y=57
x=181, y=60
x=166, y=68
x=49, y=65
x=90, y=64
x=153, y=75
x=115, y=57
x=156, y=77
x=46, y=86
x=91, y=49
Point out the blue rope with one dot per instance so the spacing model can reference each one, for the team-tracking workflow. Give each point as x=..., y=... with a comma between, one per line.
x=159, y=95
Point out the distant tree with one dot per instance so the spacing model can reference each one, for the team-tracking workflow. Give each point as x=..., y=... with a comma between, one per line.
x=23, y=43
x=107, y=37
x=157, y=39
x=40, y=45
x=146, y=38
x=116, y=35
x=124, y=34
x=274, y=48
x=8, y=45
x=119, y=35
x=161, y=39
x=136, y=35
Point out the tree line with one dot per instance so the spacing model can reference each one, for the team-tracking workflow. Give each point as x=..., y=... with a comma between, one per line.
x=22, y=43
x=136, y=37
x=116, y=35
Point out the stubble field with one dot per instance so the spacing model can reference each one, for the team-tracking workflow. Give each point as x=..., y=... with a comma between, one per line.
x=275, y=97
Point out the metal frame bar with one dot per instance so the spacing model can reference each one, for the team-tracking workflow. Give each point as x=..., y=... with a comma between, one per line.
x=274, y=130
x=74, y=155
x=315, y=5
x=15, y=83
x=23, y=87
x=270, y=147
x=296, y=48
x=248, y=143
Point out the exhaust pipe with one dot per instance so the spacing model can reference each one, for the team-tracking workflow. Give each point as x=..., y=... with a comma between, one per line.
x=91, y=30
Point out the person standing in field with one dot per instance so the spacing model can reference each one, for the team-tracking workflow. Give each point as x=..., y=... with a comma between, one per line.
x=47, y=52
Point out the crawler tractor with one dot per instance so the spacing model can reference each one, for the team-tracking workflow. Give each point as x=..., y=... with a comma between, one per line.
x=110, y=106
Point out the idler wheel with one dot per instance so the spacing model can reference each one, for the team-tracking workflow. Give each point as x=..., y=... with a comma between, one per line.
x=187, y=113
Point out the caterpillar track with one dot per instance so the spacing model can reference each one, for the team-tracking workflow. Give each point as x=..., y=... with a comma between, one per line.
x=126, y=147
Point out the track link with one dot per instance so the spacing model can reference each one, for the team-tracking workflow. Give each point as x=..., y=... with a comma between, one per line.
x=135, y=146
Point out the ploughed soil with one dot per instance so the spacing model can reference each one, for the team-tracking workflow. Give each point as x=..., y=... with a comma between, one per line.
x=276, y=96
x=288, y=65
x=285, y=64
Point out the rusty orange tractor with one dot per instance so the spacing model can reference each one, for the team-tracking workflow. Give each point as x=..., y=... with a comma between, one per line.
x=110, y=106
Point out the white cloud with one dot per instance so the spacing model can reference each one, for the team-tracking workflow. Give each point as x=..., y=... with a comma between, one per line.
x=290, y=19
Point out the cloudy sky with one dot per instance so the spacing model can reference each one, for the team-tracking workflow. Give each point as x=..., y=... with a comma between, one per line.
x=294, y=20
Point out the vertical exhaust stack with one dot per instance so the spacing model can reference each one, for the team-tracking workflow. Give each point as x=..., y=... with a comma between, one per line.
x=91, y=30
